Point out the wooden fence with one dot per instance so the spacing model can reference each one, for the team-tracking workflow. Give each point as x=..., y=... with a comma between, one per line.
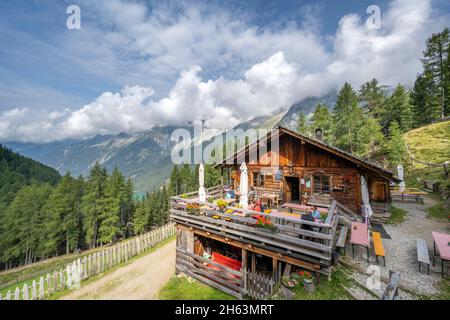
x=89, y=266
x=233, y=282
x=258, y=286
x=210, y=272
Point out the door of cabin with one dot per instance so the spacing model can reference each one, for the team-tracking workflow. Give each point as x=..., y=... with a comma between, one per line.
x=379, y=191
x=292, y=188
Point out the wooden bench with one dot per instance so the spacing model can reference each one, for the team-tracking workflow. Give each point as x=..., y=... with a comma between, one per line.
x=408, y=196
x=342, y=238
x=422, y=254
x=378, y=246
x=431, y=185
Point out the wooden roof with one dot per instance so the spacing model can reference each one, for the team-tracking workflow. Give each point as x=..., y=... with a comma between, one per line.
x=320, y=144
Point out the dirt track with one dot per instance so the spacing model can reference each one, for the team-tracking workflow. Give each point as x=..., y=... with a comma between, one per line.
x=140, y=280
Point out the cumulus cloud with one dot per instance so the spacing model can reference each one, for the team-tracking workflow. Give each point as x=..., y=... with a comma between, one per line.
x=293, y=64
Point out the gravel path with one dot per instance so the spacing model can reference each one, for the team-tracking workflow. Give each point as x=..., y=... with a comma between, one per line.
x=140, y=280
x=401, y=254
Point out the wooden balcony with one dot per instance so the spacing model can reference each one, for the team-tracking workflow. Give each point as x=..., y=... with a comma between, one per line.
x=290, y=239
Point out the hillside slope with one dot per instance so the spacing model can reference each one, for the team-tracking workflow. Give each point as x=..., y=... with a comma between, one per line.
x=431, y=144
x=17, y=171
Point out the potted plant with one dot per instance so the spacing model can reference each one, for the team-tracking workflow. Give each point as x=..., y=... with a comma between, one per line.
x=193, y=208
x=265, y=224
x=308, y=282
x=222, y=204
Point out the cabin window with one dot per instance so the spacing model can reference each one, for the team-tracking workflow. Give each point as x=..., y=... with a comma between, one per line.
x=321, y=185
x=258, y=179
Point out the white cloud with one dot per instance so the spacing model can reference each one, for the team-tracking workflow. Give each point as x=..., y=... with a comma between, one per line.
x=282, y=67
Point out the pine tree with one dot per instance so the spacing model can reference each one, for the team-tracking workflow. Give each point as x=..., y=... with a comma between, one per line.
x=398, y=108
x=302, y=125
x=62, y=220
x=94, y=204
x=372, y=98
x=369, y=138
x=141, y=217
x=322, y=119
x=348, y=118
x=395, y=147
x=175, y=183
x=23, y=224
x=435, y=62
x=420, y=106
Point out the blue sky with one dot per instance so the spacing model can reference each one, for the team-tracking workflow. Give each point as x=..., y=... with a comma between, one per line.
x=136, y=64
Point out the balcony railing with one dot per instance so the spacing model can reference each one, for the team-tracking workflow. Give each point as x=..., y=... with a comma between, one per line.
x=311, y=242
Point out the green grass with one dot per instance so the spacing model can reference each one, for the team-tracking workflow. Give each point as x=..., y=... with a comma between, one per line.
x=444, y=287
x=326, y=290
x=438, y=211
x=397, y=215
x=180, y=288
x=430, y=143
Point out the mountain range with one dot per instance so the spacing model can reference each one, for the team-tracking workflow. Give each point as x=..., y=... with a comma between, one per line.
x=144, y=156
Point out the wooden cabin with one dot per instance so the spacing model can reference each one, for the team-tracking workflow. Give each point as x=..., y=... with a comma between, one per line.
x=245, y=253
x=313, y=169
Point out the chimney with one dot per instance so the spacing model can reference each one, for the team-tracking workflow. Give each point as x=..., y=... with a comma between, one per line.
x=318, y=134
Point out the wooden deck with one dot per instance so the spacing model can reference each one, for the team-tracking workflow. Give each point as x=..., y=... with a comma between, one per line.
x=304, y=243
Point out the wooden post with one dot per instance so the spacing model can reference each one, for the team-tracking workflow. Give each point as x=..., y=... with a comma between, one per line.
x=55, y=280
x=33, y=291
x=61, y=278
x=244, y=259
x=17, y=294
x=41, y=288
x=47, y=279
x=84, y=268
x=25, y=292
x=253, y=262
x=274, y=269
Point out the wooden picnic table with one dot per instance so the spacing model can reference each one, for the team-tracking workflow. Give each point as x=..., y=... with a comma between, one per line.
x=360, y=236
x=271, y=198
x=302, y=207
x=441, y=241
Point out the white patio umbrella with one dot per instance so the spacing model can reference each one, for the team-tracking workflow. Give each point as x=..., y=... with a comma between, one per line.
x=367, y=209
x=243, y=187
x=402, y=184
x=201, y=183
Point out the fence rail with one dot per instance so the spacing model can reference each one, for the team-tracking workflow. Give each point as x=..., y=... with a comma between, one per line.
x=211, y=273
x=89, y=266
